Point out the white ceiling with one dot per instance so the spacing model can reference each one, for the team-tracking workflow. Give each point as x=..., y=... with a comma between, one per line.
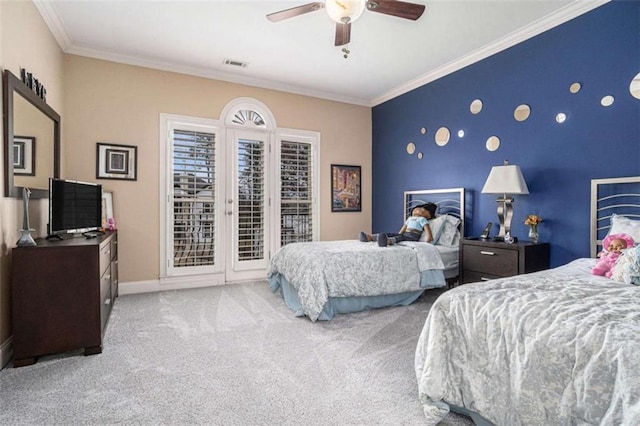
x=389, y=56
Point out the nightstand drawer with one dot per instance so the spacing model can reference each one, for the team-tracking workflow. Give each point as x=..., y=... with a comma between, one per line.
x=490, y=260
x=475, y=276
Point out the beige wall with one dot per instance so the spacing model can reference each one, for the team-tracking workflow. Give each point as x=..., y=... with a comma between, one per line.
x=25, y=42
x=115, y=103
x=106, y=102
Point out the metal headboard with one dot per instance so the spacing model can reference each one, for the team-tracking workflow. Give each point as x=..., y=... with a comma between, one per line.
x=449, y=201
x=619, y=196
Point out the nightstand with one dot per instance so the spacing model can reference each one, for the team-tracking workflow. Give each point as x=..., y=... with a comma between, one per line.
x=482, y=260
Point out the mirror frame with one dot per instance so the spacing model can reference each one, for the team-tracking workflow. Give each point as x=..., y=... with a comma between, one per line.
x=11, y=85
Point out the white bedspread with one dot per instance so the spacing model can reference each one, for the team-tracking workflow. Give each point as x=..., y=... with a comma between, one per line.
x=558, y=347
x=319, y=270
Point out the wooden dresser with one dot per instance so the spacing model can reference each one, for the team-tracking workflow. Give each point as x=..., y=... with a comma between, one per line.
x=482, y=260
x=62, y=295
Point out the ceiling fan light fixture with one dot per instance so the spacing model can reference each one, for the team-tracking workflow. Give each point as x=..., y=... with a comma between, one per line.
x=344, y=11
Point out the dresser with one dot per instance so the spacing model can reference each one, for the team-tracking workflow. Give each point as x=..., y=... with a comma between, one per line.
x=482, y=260
x=62, y=295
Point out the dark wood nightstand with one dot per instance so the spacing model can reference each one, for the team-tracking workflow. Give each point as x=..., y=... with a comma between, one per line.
x=482, y=260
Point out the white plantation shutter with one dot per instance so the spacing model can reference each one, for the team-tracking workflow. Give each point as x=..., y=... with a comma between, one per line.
x=251, y=199
x=193, y=199
x=296, y=193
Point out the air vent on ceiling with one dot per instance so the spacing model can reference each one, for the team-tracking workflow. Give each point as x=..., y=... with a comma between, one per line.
x=235, y=63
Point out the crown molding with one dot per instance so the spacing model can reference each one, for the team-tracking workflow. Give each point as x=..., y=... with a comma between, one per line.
x=571, y=11
x=52, y=20
x=578, y=7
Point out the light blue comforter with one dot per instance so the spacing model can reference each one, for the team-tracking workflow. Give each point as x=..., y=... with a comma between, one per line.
x=319, y=270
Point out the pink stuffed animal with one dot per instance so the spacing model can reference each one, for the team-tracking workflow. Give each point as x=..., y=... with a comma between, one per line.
x=612, y=248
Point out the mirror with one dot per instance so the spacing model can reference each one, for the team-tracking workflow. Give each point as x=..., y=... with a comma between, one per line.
x=476, y=106
x=442, y=136
x=522, y=112
x=31, y=140
x=411, y=148
x=634, y=86
x=575, y=87
x=607, y=101
x=493, y=143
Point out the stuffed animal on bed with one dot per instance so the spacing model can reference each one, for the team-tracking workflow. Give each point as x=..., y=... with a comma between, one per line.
x=612, y=248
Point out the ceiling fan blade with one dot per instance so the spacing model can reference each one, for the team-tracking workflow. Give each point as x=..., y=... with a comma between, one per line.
x=400, y=9
x=295, y=11
x=343, y=34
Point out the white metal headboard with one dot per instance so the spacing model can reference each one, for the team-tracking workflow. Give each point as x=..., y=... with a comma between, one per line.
x=619, y=196
x=449, y=201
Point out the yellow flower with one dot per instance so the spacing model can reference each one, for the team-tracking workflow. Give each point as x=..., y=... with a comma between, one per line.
x=532, y=219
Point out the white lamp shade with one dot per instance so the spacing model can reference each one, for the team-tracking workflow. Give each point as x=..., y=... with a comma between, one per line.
x=505, y=180
x=344, y=11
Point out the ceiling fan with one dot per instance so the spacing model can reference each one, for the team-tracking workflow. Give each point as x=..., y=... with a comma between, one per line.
x=344, y=12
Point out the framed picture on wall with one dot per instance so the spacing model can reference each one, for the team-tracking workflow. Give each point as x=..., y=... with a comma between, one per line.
x=24, y=155
x=346, y=184
x=116, y=161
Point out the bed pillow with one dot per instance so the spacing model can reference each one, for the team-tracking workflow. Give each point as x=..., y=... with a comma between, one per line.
x=435, y=225
x=449, y=231
x=443, y=230
x=623, y=225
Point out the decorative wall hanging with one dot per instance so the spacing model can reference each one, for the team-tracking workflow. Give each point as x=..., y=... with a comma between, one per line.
x=575, y=87
x=493, y=143
x=607, y=101
x=116, y=161
x=442, y=136
x=522, y=112
x=561, y=117
x=345, y=188
x=634, y=86
x=24, y=155
x=411, y=148
x=423, y=130
x=476, y=106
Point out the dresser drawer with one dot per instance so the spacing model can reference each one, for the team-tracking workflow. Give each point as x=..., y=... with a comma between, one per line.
x=490, y=261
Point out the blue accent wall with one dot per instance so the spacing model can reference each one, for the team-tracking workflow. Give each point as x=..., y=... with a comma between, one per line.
x=601, y=50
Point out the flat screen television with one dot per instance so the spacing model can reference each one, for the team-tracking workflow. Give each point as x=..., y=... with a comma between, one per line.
x=74, y=207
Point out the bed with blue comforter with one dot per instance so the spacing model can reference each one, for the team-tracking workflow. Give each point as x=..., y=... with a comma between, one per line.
x=321, y=279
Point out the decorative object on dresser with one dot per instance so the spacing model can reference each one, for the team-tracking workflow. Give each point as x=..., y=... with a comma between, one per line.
x=485, y=260
x=506, y=180
x=25, y=233
x=114, y=161
x=62, y=293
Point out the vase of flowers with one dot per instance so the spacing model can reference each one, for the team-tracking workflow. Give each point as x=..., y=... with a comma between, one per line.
x=533, y=221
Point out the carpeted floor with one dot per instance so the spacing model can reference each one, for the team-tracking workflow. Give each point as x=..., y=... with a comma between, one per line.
x=231, y=355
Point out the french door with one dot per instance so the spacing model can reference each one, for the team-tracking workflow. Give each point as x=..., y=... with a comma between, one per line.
x=231, y=197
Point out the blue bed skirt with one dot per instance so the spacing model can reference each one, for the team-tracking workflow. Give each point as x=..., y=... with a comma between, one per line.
x=345, y=305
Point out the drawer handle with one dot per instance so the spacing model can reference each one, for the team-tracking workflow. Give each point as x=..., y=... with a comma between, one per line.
x=488, y=253
x=485, y=279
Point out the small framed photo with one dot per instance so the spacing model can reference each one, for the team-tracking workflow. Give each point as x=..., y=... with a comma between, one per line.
x=116, y=161
x=107, y=208
x=345, y=188
x=24, y=155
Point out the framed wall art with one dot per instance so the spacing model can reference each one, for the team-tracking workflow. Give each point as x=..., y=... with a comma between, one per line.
x=116, y=161
x=345, y=188
x=24, y=155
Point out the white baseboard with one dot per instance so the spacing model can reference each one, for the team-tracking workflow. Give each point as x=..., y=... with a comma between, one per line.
x=173, y=283
x=6, y=352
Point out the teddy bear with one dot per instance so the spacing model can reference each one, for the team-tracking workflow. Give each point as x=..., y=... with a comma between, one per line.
x=612, y=248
